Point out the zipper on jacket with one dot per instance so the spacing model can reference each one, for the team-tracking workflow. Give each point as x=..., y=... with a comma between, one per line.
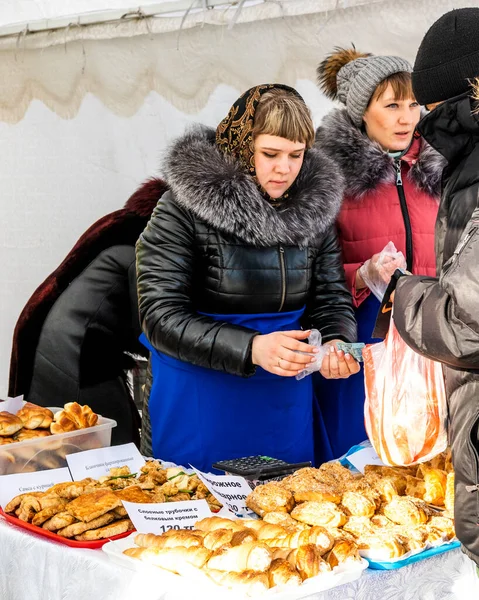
x=283, y=277
x=405, y=215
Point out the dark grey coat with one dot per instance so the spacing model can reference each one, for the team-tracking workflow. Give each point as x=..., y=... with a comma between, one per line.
x=439, y=317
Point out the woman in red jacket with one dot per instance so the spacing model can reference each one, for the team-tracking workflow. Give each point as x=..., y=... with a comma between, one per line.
x=393, y=183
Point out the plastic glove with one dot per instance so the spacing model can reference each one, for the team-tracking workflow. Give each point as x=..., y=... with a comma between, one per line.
x=314, y=340
x=377, y=271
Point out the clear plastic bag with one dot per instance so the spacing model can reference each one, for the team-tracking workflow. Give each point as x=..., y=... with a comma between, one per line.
x=405, y=410
x=376, y=274
x=314, y=340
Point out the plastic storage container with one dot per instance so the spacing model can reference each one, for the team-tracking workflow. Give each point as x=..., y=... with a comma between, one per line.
x=40, y=454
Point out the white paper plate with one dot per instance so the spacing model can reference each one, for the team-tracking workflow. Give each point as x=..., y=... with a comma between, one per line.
x=180, y=586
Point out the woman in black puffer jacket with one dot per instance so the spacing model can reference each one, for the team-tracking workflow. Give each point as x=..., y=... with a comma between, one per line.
x=238, y=261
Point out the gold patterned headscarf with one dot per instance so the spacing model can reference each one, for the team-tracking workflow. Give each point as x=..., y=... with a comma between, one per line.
x=234, y=135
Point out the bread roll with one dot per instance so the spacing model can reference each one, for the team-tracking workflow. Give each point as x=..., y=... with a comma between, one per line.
x=9, y=424
x=34, y=417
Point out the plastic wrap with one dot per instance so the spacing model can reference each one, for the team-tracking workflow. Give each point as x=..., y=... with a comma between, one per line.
x=377, y=271
x=405, y=409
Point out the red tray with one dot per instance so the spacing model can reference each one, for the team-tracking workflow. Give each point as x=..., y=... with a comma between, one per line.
x=58, y=538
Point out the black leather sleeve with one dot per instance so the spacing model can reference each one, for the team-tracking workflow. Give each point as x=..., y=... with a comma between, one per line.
x=330, y=308
x=165, y=260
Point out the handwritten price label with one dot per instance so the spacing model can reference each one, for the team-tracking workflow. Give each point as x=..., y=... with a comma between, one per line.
x=160, y=517
x=230, y=490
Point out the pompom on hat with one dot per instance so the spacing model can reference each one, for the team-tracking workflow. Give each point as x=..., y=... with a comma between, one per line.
x=352, y=77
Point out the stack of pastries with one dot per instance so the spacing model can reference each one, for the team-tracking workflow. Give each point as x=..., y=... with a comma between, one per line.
x=33, y=421
x=387, y=512
x=67, y=508
x=247, y=554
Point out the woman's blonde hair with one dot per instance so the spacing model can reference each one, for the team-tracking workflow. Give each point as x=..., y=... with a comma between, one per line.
x=285, y=115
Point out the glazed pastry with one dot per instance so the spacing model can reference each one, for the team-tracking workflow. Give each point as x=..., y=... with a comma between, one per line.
x=435, y=484
x=263, y=529
x=30, y=434
x=319, y=513
x=59, y=521
x=382, y=547
x=107, y=531
x=216, y=539
x=397, y=474
x=282, y=573
x=212, y=523
x=310, y=484
x=358, y=504
x=268, y=498
x=340, y=534
x=34, y=417
x=181, y=537
x=73, y=417
x=90, y=506
x=415, y=487
x=307, y=560
x=78, y=528
x=449, y=497
x=359, y=526
x=253, y=556
x=382, y=522
x=9, y=424
x=444, y=524
x=284, y=520
x=386, y=487
x=49, y=511
x=405, y=510
x=133, y=494
x=319, y=536
x=342, y=551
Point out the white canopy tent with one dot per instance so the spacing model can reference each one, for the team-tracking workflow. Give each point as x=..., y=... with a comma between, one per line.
x=92, y=91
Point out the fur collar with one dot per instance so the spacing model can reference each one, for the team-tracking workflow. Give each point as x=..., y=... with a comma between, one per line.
x=364, y=163
x=216, y=190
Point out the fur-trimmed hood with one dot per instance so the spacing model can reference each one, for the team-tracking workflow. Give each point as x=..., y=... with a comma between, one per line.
x=216, y=189
x=364, y=163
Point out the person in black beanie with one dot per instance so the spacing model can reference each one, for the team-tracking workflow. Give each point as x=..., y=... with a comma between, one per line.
x=439, y=317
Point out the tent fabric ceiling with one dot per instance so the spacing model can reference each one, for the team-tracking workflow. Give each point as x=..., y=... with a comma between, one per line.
x=122, y=65
x=38, y=15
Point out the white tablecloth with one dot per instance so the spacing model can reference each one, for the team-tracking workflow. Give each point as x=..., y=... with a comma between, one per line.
x=32, y=568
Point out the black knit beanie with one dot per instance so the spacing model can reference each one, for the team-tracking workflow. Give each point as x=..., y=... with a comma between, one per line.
x=448, y=57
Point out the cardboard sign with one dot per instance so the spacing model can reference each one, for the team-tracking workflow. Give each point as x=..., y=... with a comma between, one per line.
x=230, y=490
x=98, y=462
x=366, y=456
x=22, y=483
x=161, y=517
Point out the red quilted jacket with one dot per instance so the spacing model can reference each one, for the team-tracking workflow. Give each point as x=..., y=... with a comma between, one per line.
x=375, y=209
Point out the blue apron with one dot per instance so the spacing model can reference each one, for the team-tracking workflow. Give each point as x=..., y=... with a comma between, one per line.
x=339, y=410
x=201, y=416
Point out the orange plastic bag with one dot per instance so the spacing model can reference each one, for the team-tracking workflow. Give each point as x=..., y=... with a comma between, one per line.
x=405, y=411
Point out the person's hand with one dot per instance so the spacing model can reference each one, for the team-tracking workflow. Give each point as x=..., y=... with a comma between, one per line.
x=337, y=365
x=377, y=271
x=278, y=352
